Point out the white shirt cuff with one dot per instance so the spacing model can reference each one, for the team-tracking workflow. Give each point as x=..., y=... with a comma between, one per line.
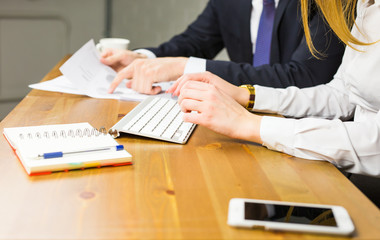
x=195, y=65
x=266, y=99
x=278, y=133
x=146, y=52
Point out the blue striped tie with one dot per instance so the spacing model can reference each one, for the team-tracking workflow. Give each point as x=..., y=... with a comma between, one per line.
x=264, y=34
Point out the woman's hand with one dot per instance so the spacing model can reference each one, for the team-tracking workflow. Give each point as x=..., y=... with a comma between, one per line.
x=207, y=106
x=240, y=95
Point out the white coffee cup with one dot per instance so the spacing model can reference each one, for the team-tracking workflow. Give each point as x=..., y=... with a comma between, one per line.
x=115, y=43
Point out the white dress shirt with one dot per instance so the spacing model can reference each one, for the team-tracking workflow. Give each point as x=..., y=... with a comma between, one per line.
x=195, y=65
x=354, y=91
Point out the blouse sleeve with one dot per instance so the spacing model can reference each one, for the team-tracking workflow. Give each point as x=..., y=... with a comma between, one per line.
x=325, y=101
x=353, y=146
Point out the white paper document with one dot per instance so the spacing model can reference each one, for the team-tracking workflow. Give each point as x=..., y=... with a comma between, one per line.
x=84, y=74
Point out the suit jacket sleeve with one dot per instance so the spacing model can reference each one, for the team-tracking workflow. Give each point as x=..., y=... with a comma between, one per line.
x=201, y=39
x=301, y=70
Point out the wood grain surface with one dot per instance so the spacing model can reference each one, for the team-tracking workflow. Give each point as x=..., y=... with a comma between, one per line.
x=170, y=192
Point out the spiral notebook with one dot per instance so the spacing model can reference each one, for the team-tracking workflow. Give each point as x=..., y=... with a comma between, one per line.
x=49, y=148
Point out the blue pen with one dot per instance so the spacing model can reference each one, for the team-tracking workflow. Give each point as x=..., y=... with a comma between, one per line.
x=61, y=154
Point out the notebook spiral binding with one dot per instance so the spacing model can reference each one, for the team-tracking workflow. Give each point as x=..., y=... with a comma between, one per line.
x=73, y=133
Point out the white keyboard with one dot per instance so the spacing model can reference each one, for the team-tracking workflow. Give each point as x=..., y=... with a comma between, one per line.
x=159, y=118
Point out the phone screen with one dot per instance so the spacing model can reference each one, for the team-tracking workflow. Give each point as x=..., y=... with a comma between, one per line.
x=289, y=214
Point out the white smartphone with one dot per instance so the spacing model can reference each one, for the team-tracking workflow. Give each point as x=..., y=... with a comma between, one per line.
x=289, y=216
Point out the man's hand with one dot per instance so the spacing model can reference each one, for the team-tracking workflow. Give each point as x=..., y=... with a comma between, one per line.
x=119, y=59
x=144, y=72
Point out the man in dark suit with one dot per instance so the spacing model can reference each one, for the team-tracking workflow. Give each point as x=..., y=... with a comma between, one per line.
x=228, y=24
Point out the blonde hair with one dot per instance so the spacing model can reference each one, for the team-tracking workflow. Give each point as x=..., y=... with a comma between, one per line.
x=339, y=14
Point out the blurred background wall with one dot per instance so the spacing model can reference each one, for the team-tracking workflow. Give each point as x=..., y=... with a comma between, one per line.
x=150, y=22
x=36, y=34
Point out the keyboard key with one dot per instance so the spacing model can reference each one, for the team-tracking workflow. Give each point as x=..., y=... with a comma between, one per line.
x=140, y=114
x=172, y=128
x=156, y=119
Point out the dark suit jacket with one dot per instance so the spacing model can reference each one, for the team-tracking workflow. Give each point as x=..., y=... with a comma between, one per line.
x=226, y=23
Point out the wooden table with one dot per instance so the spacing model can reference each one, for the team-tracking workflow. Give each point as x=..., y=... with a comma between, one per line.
x=171, y=191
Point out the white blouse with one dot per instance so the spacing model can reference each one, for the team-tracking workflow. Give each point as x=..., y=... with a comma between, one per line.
x=323, y=133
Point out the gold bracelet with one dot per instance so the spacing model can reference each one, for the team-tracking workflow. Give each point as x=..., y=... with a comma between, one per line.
x=252, y=95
